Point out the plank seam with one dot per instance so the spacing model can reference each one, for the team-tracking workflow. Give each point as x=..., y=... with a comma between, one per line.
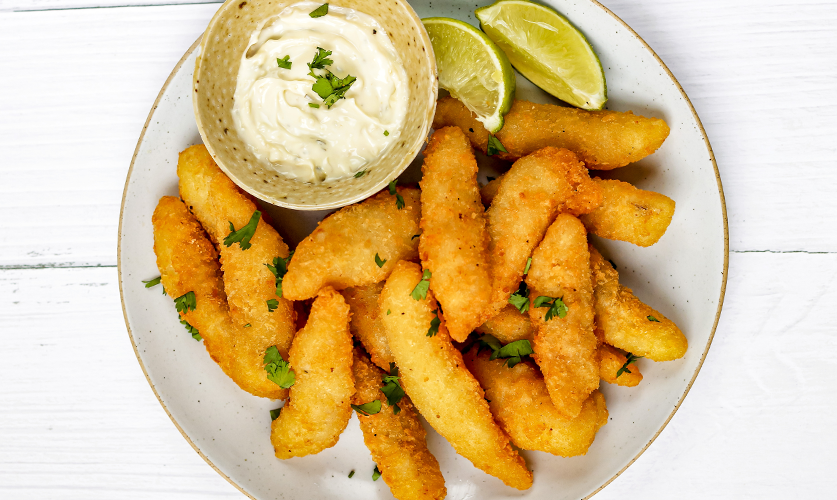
x=51, y=9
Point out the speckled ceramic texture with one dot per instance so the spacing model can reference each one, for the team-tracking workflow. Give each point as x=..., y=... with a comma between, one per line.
x=216, y=70
x=683, y=276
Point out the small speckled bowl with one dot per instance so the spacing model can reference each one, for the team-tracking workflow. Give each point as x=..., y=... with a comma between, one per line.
x=216, y=70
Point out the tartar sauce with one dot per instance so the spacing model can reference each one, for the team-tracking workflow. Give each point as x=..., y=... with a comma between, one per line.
x=275, y=110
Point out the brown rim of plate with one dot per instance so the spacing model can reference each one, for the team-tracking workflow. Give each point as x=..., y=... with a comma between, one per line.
x=676, y=407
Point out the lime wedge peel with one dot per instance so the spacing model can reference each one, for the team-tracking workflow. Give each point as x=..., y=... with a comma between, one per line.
x=548, y=50
x=473, y=69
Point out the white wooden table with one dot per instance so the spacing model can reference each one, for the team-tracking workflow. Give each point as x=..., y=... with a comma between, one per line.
x=77, y=418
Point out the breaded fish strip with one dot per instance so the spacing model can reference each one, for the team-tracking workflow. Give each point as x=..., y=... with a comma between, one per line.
x=612, y=360
x=626, y=320
x=434, y=376
x=587, y=197
x=531, y=194
x=509, y=325
x=366, y=325
x=565, y=348
x=189, y=263
x=341, y=251
x=319, y=407
x=604, y=140
x=629, y=214
x=520, y=402
x=216, y=202
x=454, y=241
x=397, y=442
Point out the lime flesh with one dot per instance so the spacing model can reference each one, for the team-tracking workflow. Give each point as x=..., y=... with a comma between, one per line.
x=473, y=69
x=548, y=50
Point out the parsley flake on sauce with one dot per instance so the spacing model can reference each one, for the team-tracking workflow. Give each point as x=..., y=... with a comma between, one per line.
x=379, y=261
x=186, y=302
x=285, y=62
x=555, y=304
x=329, y=87
x=399, y=200
x=243, y=235
x=494, y=146
x=319, y=11
x=313, y=105
x=370, y=408
x=278, y=370
x=624, y=369
x=386, y=133
x=420, y=291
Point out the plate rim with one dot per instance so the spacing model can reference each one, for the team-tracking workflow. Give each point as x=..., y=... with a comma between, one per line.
x=721, y=297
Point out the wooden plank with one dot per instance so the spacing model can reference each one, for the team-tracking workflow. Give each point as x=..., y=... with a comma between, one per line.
x=78, y=420
x=30, y=5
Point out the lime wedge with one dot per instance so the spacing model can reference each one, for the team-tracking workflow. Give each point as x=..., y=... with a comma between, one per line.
x=472, y=69
x=545, y=48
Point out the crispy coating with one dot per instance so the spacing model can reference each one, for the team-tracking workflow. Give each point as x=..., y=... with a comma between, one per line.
x=341, y=251
x=509, y=325
x=216, y=201
x=454, y=240
x=531, y=194
x=624, y=319
x=604, y=140
x=586, y=198
x=565, y=348
x=319, y=407
x=521, y=404
x=629, y=214
x=189, y=263
x=366, y=325
x=612, y=359
x=444, y=391
x=489, y=191
x=397, y=442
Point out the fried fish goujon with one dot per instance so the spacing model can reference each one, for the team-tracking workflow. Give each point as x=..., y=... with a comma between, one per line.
x=604, y=140
x=531, y=194
x=612, y=360
x=565, y=348
x=434, y=376
x=341, y=251
x=366, y=325
x=216, y=202
x=454, y=242
x=509, y=325
x=520, y=402
x=626, y=320
x=189, y=263
x=397, y=441
x=319, y=407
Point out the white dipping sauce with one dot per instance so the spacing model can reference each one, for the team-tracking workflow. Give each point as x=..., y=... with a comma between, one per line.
x=272, y=113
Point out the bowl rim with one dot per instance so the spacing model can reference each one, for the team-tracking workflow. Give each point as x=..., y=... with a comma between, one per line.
x=432, y=74
x=722, y=294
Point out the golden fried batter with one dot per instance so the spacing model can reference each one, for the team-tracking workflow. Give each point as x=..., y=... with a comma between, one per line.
x=216, y=201
x=586, y=198
x=454, y=241
x=509, y=325
x=434, y=376
x=319, y=407
x=565, y=348
x=629, y=214
x=366, y=325
x=341, y=251
x=612, y=360
x=626, y=320
x=397, y=442
x=520, y=402
x=530, y=196
x=604, y=140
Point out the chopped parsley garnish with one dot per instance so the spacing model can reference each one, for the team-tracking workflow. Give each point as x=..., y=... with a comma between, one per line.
x=386, y=133
x=274, y=414
x=399, y=200
x=186, y=302
x=192, y=330
x=247, y=325
x=153, y=282
x=494, y=146
x=320, y=61
x=329, y=87
x=379, y=261
x=434, y=324
x=370, y=408
x=243, y=235
x=652, y=318
x=389, y=311
x=420, y=291
x=285, y=62
x=352, y=473
x=392, y=388
x=520, y=298
x=319, y=11
x=278, y=370
x=511, y=352
x=313, y=105
x=376, y=474
x=272, y=304
x=624, y=369
x=555, y=304
x=279, y=269
x=528, y=265
x=360, y=174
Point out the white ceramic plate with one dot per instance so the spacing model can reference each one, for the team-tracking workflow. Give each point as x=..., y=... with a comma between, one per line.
x=683, y=276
